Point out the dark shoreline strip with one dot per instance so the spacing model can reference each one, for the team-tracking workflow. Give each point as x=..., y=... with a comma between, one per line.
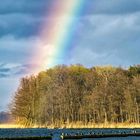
x=73, y=137
x=100, y=136
x=28, y=138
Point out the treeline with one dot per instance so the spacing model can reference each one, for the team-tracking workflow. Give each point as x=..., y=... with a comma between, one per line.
x=72, y=94
x=5, y=117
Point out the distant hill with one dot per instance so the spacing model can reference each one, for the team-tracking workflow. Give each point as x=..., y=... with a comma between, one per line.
x=5, y=117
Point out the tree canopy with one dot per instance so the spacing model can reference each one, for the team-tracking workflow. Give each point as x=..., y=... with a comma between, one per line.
x=70, y=94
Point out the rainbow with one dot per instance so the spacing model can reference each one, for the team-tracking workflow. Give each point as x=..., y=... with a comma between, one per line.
x=57, y=33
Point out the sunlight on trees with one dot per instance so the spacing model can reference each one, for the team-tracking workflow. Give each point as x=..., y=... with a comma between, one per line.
x=64, y=95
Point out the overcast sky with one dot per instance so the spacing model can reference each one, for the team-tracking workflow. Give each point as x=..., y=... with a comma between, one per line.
x=107, y=33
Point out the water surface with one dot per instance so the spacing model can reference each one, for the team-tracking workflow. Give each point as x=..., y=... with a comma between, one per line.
x=56, y=133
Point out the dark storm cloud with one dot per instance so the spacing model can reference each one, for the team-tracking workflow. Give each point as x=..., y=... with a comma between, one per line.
x=19, y=25
x=22, y=18
x=105, y=25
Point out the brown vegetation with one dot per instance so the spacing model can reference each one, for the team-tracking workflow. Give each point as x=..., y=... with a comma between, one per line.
x=76, y=95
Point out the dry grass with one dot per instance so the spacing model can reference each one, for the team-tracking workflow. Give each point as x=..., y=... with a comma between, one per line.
x=10, y=126
x=105, y=125
x=102, y=125
x=77, y=125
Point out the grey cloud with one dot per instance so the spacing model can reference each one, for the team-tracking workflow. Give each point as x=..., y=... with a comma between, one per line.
x=4, y=69
x=14, y=70
x=112, y=6
x=108, y=39
x=34, y=7
x=17, y=50
x=22, y=69
x=2, y=75
x=19, y=25
x=19, y=17
x=40, y=7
